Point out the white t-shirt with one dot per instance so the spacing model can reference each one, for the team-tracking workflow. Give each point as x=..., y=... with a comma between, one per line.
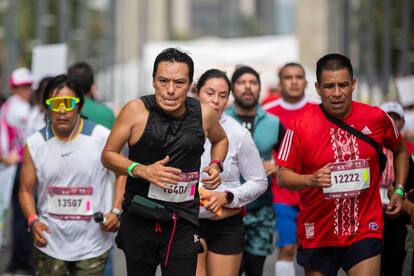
x=242, y=159
x=74, y=164
x=13, y=122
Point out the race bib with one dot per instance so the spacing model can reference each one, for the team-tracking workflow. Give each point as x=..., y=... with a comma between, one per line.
x=348, y=179
x=180, y=192
x=73, y=203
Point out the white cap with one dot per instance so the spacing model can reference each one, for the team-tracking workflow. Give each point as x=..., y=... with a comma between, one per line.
x=21, y=76
x=393, y=107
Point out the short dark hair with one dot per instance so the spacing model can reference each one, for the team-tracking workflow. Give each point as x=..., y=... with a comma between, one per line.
x=291, y=64
x=212, y=74
x=174, y=55
x=241, y=70
x=333, y=62
x=84, y=73
x=61, y=81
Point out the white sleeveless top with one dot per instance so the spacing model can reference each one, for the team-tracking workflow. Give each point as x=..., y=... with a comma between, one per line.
x=74, y=164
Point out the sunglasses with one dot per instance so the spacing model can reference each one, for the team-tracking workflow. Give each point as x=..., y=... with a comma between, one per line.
x=56, y=103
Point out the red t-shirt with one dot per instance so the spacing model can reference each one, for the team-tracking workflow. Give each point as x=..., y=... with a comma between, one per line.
x=287, y=113
x=312, y=142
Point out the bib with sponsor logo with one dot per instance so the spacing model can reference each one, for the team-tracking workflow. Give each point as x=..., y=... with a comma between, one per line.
x=348, y=179
x=183, y=191
x=70, y=203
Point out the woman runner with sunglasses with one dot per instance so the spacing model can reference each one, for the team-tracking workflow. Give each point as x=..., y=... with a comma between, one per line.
x=62, y=161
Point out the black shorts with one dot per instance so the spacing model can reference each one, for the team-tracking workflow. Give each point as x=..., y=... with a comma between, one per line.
x=147, y=241
x=328, y=260
x=225, y=236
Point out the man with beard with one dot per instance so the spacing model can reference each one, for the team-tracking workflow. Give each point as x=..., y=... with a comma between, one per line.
x=267, y=132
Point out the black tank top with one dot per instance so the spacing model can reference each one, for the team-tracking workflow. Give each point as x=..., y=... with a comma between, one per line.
x=182, y=139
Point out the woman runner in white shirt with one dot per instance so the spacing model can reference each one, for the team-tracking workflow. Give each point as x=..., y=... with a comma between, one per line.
x=221, y=224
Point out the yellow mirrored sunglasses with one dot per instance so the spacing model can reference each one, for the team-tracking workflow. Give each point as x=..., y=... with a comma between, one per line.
x=56, y=103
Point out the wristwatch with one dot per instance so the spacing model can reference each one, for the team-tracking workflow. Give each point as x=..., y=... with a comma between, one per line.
x=117, y=212
x=219, y=164
x=229, y=197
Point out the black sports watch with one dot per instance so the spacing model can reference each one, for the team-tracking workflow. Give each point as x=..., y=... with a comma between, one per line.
x=229, y=197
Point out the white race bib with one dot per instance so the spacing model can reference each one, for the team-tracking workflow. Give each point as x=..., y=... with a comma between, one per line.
x=73, y=203
x=348, y=179
x=180, y=192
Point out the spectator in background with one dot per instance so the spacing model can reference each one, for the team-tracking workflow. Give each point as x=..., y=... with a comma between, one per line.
x=14, y=115
x=93, y=110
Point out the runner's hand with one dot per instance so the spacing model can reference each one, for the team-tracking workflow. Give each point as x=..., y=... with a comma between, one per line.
x=270, y=167
x=213, y=179
x=394, y=208
x=111, y=224
x=159, y=174
x=37, y=228
x=216, y=201
x=320, y=179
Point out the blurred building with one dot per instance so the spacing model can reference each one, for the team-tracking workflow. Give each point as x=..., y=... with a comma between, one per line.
x=110, y=34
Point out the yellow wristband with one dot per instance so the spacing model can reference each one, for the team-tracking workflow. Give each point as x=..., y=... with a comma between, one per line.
x=131, y=168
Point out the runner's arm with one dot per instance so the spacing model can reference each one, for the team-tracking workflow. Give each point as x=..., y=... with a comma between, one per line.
x=395, y=206
x=119, y=136
x=401, y=164
x=215, y=133
x=27, y=184
x=27, y=201
x=288, y=178
x=219, y=146
x=112, y=222
x=251, y=168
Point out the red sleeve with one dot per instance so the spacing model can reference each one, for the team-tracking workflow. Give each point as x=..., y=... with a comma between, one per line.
x=290, y=153
x=392, y=136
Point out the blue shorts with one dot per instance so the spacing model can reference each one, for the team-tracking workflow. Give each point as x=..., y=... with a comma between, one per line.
x=285, y=224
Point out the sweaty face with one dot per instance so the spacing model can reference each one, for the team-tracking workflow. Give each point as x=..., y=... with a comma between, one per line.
x=293, y=84
x=335, y=90
x=63, y=122
x=246, y=91
x=171, y=84
x=215, y=93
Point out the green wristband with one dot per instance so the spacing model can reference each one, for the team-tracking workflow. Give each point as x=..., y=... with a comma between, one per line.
x=131, y=168
x=399, y=191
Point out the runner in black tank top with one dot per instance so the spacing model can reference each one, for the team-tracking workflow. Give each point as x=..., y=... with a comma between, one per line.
x=182, y=139
x=165, y=133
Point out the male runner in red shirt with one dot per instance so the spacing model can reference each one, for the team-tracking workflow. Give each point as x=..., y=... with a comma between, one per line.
x=340, y=221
